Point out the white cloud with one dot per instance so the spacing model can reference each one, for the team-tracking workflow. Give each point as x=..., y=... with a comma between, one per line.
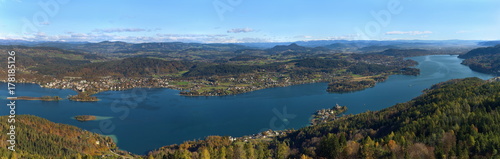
x=343, y=37
x=252, y=40
x=303, y=37
x=209, y=38
x=407, y=32
x=101, y=36
x=191, y=35
x=119, y=30
x=240, y=30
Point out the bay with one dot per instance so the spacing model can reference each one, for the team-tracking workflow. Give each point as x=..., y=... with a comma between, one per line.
x=144, y=119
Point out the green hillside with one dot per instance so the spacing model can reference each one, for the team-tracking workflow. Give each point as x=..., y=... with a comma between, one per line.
x=486, y=60
x=37, y=137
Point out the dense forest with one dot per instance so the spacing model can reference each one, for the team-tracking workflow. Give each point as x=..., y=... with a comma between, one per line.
x=128, y=67
x=486, y=60
x=32, y=63
x=47, y=59
x=38, y=138
x=453, y=119
x=406, y=52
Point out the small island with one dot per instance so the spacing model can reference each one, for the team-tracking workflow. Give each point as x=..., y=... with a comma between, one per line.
x=82, y=97
x=44, y=98
x=325, y=115
x=84, y=118
x=346, y=86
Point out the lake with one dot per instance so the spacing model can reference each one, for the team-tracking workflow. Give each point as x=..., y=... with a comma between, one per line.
x=144, y=119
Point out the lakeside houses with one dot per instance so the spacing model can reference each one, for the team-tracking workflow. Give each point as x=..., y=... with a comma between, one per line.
x=211, y=86
x=325, y=115
x=265, y=135
x=203, y=85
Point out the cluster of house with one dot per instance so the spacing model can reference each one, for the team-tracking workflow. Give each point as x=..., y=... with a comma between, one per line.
x=105, y=84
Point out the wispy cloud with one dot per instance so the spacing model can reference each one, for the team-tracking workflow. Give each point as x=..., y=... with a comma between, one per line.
x=407, y=32
x=344, y=37
x=70, y=36
x=303, y=37
x=341, y=37
x=119, y=30
x=210, y=38
x=252, y=40
x=240, y=30
x=464, y=31
x=191, y=35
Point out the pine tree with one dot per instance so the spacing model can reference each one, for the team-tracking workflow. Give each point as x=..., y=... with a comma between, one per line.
x=222, y=153
x=150, y=157
x=282, y=151
x=204, y=154
x=250, y=150
x=13, y=155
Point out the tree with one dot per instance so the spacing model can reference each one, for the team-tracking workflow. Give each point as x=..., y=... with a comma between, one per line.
x=78, y=156
x=331, y=146
x=305, y=157
x=250, y=150
x=230, y=152
x=182, y=154
x=222, y=153
x=368, y=149
x=204, y=154
x=282, y=150
x=13, y=155
x=239, y=151
x=419, y=150
x=88, y=157
x=352, y=149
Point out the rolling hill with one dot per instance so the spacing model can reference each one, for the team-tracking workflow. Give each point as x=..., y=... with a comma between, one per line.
x=486, y=60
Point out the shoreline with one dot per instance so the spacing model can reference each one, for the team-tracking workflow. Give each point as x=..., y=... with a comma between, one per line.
x=88, y=95
x=80, y=95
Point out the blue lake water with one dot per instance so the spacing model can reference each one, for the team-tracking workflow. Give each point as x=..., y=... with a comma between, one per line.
x=144, y=119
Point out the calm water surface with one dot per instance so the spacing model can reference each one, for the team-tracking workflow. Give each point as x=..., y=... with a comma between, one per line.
x=144, y=119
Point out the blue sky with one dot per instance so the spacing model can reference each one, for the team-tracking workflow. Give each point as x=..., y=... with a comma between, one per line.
x=228, y=21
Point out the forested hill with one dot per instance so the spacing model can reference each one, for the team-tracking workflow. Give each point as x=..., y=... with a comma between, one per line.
x=486, y=60
x=485, y=51
x=45, y=57
x=37, y=137
x=406, y=52
x=454, y=119
x=34, y=62
x=129, y=67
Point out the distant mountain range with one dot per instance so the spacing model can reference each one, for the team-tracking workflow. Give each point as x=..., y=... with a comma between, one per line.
x=314, y=43
x=489, y=43
x=179, y=50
